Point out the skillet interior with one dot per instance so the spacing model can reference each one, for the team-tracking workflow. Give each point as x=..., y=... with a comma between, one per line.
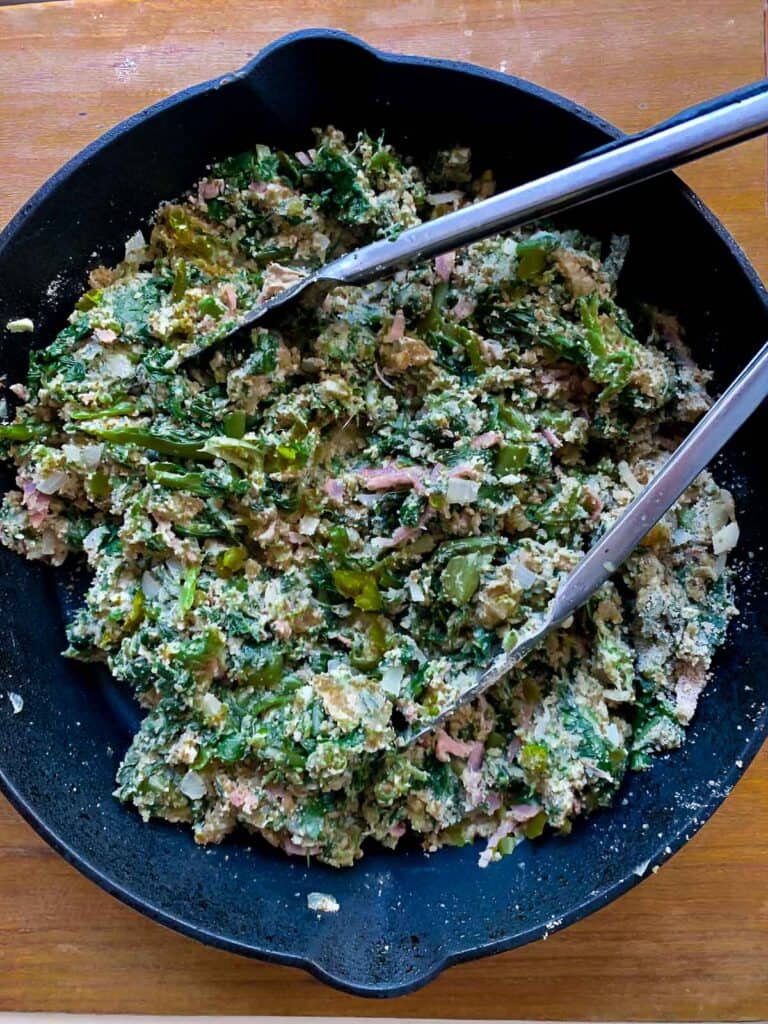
x=403, y=916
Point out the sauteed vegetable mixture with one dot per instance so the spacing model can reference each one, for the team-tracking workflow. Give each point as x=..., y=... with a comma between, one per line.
x=293, y=536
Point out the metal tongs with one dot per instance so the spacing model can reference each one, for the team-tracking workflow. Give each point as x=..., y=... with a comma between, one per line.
x=693, y=133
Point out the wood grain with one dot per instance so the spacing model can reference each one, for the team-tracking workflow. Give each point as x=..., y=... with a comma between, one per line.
x=690, y=943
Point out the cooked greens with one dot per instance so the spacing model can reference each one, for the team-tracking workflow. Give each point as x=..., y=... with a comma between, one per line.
x=342, y=517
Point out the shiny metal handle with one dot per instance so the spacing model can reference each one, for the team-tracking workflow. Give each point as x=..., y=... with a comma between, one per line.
x=722, y=123
x=698, y=449
x=710, y=106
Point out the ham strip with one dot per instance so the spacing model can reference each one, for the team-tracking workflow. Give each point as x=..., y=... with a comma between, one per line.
x=334, y=489
x=229, y=295
x=299, y=851
x=104, y=335
x=210, y=189
x=401, y=536
x=464, y=308
x=487, y=440
x=36, y=503
x=444, y=265
x=397, y=327
x=476, y=756
x=552, y=438
x=446, y=747
x=387, y=479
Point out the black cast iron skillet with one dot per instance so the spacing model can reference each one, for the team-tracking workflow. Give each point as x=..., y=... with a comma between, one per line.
x=404, y=917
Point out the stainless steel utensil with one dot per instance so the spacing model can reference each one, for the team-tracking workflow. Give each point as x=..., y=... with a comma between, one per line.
x=706, y=439
x=694, y=132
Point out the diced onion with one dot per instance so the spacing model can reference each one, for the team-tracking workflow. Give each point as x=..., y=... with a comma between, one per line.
x=525, y=577
x=418, y=654
x=613, y=735
x=17, y=701
x=461, y=492
x=50, y=483
x=92, y=541
x=88, y=456
x=369, y=500
x=117, y=365
x=192, y=785
x=47, y=543
x=150, y=585
x=441, y=198
x=135, y=245
x=629, y=478
x=211, y=705
x=308, y=525
x=725, y=538
x=391, y=680
x=174, y=567
x=681, y=537
x=90, y=350
x=91, y=455
x=720, y=512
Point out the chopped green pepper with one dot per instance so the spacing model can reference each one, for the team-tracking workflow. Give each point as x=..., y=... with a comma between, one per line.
x=89, y=300
x=24, y=431
x=534, y=757
x=168, y=476
x=99, y=484
x=461, y=577
x=511, y=458
x=180, y=280
x=231, y=748
x=232, y=560
x=532, y=256
x=338, y=539
x=141, y=437
x=188, y=589
x=359, y=585
x=234, y=424
x=209, y=305
x=535, y=826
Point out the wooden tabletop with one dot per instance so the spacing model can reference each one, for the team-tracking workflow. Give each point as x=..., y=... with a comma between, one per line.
x=689, y=943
